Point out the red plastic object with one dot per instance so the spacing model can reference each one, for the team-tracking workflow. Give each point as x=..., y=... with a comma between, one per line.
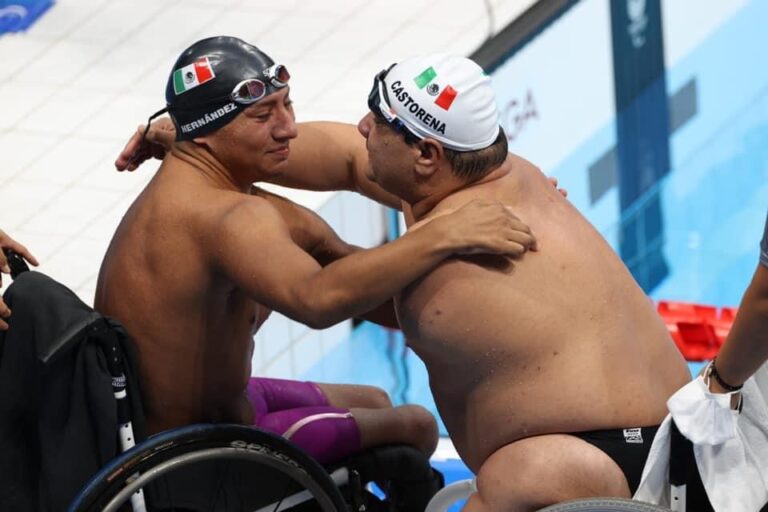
x=706, y=313
x=674, y=332
x=677, y=311
x=721, y=333
x=699, y=341
x=723, y=323
x=699, y=330
x=727, y=314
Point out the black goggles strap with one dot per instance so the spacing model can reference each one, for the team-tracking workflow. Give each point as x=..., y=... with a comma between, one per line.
x=149, y=121
x=146, y=130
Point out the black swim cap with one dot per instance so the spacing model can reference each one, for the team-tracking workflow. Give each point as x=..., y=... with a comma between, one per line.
x=214, y=80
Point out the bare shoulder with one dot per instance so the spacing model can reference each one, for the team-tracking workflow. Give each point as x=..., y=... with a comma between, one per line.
x=253, y=210
x=276, y=201
x=293, y=214
x=516, y=161
x=223, y=218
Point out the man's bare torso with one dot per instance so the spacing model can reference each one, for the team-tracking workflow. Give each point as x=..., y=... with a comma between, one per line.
x=560, y=341
x=193, y=329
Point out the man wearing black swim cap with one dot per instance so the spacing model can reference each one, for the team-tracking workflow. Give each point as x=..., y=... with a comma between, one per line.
x=202, y=257
x=556, y=366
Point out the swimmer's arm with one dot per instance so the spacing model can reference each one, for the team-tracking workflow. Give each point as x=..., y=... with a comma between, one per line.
x=746, y=348
x=331, y=156
x=324, y=156
x=383, y=315
x=332, y=248
x=253, y=247
x=324, y=245
x=279, y=274
x=308, y=229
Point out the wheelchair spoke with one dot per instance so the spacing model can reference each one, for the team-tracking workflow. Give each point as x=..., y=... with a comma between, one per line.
x=213, y=467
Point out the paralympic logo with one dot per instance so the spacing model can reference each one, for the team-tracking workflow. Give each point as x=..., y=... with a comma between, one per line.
x=21, y=14
x=12, y=15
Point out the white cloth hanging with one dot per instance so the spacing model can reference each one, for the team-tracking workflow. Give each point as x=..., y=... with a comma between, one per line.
x=731, y=447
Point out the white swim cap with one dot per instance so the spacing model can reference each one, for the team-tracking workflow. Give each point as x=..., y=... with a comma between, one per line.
x=445, y=97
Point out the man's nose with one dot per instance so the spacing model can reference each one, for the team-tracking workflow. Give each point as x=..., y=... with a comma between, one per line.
x=364, y=125
x=286, y=125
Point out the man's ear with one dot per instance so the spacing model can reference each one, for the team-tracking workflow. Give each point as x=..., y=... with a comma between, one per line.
x=431, y=155
x=203, y=141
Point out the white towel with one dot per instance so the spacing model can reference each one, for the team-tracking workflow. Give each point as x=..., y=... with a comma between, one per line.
x=731, y=449
x=761, y=379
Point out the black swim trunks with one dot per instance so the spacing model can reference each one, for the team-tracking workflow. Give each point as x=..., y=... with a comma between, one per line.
x=628, y=447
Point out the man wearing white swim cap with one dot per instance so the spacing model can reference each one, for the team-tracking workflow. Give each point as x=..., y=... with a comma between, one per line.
x=551, y=372
x=570, y=366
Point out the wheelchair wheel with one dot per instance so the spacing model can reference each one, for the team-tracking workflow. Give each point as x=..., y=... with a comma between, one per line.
x=213, y=468
x=604, y=505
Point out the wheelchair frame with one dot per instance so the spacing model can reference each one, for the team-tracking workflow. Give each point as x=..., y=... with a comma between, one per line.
x=119, y=480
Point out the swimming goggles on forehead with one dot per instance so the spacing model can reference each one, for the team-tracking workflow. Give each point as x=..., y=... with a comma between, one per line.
x=379, y=104
x=252, y=90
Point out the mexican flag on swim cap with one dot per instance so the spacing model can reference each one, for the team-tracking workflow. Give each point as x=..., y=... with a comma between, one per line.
x=192, y=75
x=445, y=97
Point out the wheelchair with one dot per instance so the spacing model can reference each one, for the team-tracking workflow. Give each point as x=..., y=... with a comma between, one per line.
x=96, y=458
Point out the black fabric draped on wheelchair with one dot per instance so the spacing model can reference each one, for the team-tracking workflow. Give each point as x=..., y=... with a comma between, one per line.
x=72, y=432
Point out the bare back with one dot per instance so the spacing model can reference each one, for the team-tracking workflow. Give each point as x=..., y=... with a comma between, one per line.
x=560, y=341
x=192, y=326
x=187, y=323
